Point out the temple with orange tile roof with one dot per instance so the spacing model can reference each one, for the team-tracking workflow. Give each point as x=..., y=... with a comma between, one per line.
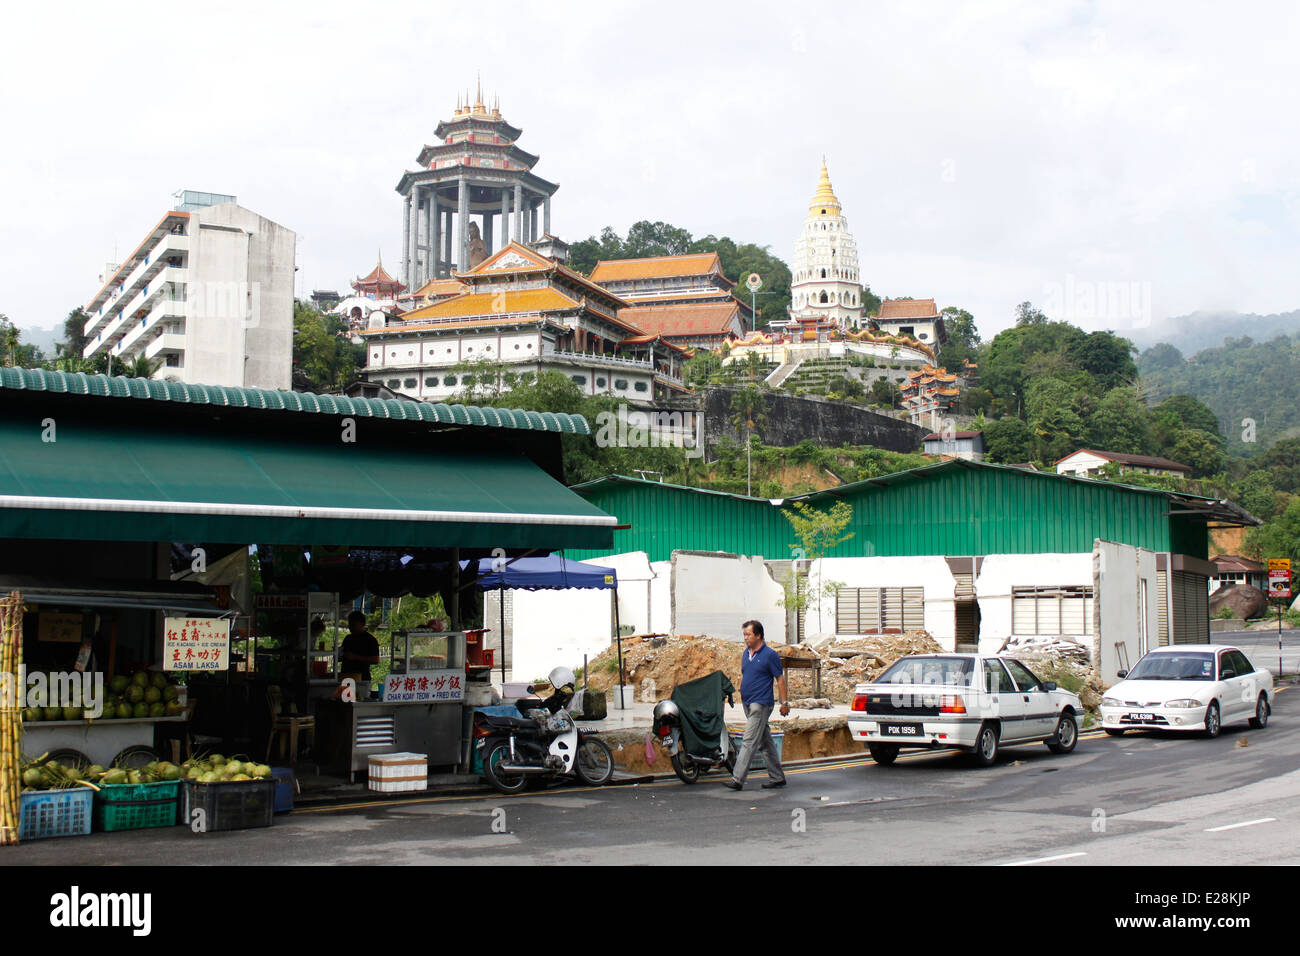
x=514, y=315
x=685, y=299
x=476, y=176
x=919, y=318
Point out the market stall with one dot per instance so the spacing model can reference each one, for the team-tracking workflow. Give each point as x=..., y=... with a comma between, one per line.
x=140, y=466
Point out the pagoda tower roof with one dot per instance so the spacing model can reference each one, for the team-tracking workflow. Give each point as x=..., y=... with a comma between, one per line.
x=824, y=202
x=379, y=279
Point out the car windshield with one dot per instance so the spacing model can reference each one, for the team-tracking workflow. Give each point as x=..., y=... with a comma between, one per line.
x=1182, y=666
x=930, y=670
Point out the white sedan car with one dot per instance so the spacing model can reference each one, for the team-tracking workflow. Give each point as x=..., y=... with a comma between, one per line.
x=1188, y=687
x=967, y=701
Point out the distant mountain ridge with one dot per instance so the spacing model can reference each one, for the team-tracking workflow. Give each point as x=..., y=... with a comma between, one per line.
x=1204, y=330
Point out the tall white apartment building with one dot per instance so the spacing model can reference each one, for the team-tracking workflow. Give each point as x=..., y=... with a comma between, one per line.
x=208, y=293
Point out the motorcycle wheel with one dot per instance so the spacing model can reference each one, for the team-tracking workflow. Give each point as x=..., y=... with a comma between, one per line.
x=502, y=782
x=594, y=763
x=687, y=770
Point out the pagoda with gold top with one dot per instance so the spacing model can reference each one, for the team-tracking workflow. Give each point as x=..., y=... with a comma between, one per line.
x=473, y=193
x=825, y=287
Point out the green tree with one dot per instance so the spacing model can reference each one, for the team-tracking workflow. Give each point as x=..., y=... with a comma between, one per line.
x=1279, y=538
x=1200, y=451
x=1008, y=441
x=1106, y=357
x=141, y=366
x=1026, y=314
x=74, y=334
x=1120, y=422
x=1282, y=462
x=817, y=532
x=324, y=357
x=1256, y=494
x=1051, y=407
x=963, y=338
x=10, y=340
x=646, y=239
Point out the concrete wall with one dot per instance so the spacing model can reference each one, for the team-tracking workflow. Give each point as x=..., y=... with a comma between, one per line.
x=239, y=327
x=929, y=572
x=1001, y=572
x=547, y=629
x=786, y=420
x=714, y=593
x=1123, y=628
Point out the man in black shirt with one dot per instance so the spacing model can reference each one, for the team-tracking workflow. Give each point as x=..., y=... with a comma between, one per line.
x=359, y=652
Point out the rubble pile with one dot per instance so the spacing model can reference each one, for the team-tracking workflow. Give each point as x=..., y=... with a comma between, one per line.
x=655, y=665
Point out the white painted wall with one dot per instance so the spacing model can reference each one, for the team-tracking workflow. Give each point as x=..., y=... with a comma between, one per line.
x=999, y=573
x=926, y=571
x=1080, y=463
x=554, y=628
x=716, y=593
x=239, y=289
x=1119, y=571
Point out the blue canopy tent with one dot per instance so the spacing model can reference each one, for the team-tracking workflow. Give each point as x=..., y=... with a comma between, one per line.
x=553, y=572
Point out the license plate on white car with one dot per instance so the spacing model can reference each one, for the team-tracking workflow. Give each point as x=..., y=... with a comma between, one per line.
x=901, y=730
x=1144, y=717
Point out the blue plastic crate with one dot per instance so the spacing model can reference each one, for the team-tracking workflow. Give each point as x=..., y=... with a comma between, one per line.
x=285, y=787
x=55, y=813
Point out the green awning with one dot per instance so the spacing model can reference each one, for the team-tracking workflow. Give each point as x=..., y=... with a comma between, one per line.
x=138, y=484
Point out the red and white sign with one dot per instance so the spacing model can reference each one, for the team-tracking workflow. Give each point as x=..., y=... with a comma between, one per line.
x=1279, y=578
x=196, y=644
x=425, y=686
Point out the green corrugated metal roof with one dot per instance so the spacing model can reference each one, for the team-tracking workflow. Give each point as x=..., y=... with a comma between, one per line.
x=102, y=481
x=952, y=508
x=79, y=383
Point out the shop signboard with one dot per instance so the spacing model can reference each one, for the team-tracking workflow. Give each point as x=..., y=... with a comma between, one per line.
x=420, y=686
x=196, y=644
x=1279, y=578
x=281, y=602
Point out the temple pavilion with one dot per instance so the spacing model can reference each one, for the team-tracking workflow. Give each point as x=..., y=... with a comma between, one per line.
x=474, y=193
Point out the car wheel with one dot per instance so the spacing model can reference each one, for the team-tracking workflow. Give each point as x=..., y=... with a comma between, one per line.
x=1260, y=720
x=986, y=746
x=1115, y=731
x=1212, y=725
x=1067, y=735
x=883, y=754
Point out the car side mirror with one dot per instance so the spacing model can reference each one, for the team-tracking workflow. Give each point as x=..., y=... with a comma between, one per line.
x=1049, y=685
x=1229, y=673
x=1121, y=674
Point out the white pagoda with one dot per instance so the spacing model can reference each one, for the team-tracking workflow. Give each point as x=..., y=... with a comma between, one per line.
x=825, y=287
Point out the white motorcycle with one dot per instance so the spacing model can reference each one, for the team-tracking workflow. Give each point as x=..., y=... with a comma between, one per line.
x=542, y=743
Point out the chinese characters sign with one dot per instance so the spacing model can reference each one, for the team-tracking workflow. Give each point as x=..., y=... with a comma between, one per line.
x=425, y=686
x=1279, y=578
x=196, y=644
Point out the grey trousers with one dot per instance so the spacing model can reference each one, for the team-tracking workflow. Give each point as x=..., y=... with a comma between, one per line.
x=758, y=736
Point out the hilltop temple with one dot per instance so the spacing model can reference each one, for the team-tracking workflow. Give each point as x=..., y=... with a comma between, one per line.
x=473, y=194
x=825, y=287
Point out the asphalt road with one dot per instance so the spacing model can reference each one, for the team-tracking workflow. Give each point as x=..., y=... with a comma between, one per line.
x=1140, y=799
x=1261, y=647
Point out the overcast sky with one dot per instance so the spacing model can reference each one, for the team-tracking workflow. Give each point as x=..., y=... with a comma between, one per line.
x=1112, y=162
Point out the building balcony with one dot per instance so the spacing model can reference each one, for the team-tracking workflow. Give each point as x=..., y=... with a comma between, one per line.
x=167, y=342
x=161, y=308
x=597, y=358
x=144, y=274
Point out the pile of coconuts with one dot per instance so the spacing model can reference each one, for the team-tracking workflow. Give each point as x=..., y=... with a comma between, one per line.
x=214, y=768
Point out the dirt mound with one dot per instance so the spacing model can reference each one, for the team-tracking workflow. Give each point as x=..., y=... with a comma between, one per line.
x=655, y=665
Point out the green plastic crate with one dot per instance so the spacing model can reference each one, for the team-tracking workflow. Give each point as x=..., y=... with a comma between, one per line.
x=136, y=806
x=54, y=813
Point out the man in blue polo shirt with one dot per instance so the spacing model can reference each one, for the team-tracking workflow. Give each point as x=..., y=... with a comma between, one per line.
x=759, y=667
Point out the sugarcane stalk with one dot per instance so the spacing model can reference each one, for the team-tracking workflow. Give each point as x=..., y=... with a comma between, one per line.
x=11, y=618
